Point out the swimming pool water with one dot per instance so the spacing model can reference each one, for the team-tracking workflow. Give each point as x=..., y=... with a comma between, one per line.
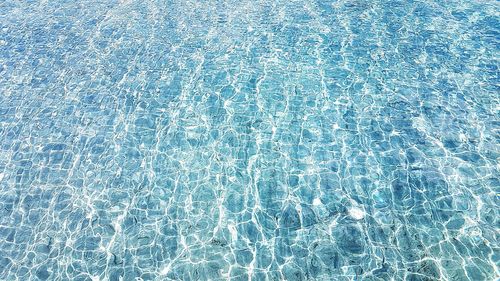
x=249, y=140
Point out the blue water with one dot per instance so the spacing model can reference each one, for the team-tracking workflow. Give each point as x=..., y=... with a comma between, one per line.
x=249, y=140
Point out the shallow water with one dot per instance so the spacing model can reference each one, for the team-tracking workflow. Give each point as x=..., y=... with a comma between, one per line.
x=249, y=140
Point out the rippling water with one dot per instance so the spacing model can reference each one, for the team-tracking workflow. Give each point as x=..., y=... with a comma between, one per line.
x=249, y=140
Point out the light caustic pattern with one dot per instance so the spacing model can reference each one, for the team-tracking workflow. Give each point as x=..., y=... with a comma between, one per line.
x=249, y=140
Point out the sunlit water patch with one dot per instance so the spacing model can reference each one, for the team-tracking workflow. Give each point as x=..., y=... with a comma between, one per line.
x=249, y=140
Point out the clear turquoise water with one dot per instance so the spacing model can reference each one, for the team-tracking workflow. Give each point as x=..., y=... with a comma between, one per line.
x=249, y=140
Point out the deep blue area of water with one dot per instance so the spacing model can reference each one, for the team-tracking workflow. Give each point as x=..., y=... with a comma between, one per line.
x=249, y=140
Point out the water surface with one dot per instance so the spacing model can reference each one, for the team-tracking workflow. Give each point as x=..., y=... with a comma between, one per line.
x=249, y=140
